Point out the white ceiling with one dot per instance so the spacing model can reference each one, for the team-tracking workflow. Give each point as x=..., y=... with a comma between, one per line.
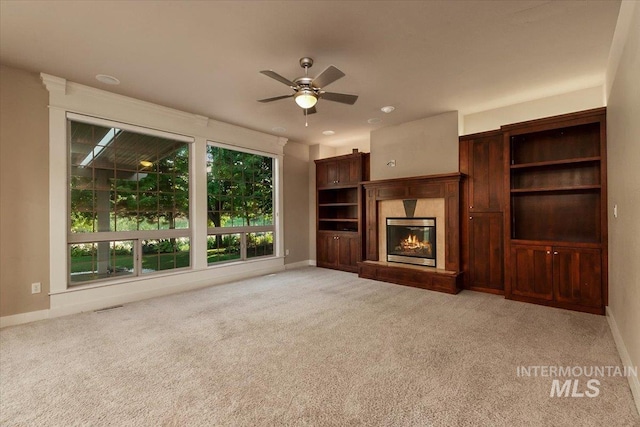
x=423, y=57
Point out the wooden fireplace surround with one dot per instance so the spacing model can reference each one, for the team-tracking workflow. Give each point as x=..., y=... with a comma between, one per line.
x=445, y=187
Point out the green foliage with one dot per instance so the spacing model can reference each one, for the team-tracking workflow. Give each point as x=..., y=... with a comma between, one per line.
x=240, y=188
x=146, y=198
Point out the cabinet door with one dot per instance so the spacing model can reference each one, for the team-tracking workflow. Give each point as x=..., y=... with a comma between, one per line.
x=348, y=249
x=577, y=276
x=486, y=169
x=327, y=250
x=349, y=171
x=326, y=174
x=486, y=261
x=531, y=271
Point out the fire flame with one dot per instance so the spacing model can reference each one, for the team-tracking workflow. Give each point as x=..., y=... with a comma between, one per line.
x=412, y=242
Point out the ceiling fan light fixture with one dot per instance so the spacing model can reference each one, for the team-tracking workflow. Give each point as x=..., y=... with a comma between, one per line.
x=306, y=98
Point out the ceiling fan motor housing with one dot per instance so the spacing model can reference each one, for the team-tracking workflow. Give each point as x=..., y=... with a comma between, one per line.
x=306, y=62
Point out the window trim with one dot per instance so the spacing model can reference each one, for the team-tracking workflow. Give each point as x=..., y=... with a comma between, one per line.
x=67, y=96
x=137, y=236
x=244, y=230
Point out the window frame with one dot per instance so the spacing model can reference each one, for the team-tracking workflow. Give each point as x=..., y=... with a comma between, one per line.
x=66, y=96
x=137, y=236
x=244, y=230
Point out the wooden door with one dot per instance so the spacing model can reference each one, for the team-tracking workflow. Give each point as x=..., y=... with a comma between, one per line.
x=326, y=250
x=577, y=276
x=486, y=261
x=486, y=169
x=326, y=173
x=347, y=252
x=349, y=171
x=531, y=271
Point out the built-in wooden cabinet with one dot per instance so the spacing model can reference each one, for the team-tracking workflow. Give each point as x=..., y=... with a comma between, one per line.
x=340, y=250
x=485, y=270
x=481, y=159
x=566, y=275
x=342, y=170
x=533, y=211
x=339, y=210
x=555, y=221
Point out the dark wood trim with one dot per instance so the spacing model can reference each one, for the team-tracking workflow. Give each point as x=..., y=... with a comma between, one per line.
x=485, y=134
x=558, y=304
x=577, y=118
x=414, y=276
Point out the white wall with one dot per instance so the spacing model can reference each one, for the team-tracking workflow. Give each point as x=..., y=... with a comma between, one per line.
x=422, y=147
x=623, y=150
x=584, y=99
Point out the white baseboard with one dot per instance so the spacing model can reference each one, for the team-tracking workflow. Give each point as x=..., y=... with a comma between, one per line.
x=89, y=299
x=313, y=262
x=18, y=319
x=634, y=384
x=299, y=264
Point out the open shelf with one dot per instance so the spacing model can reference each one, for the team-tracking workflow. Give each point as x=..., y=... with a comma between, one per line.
x=562, y=145
x=555, y=189
x=556, y=162
x=557, y=176
x=338, y=196
x=336, y=204
x=564, y=217
x=338, y=225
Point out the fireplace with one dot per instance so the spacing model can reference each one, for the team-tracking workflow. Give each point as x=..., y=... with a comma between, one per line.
x=412, y=241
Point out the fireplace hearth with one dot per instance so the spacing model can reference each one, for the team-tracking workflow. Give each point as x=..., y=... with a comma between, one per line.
x=412, y=241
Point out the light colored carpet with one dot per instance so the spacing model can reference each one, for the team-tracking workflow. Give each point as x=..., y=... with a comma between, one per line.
x=308, y=347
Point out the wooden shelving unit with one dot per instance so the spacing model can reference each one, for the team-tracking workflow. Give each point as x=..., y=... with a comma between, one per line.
x=339, y=210
x=555, y=221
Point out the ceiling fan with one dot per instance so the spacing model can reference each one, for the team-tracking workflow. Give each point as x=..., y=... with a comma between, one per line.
x=307, y=90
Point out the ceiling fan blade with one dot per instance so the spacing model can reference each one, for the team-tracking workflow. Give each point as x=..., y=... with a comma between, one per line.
x=275, y=98
x=311, y=110
x=279, y=78
x=339, y=97
x=328, y=76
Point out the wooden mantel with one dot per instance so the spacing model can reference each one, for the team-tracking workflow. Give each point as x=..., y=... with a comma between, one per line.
x=447, y=187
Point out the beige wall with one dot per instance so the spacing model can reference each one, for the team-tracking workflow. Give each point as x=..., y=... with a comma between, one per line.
x=584, y=99
x=296, y=202
x=623, y=139
x=363, y=146
x=24, y=192
x=423, y=147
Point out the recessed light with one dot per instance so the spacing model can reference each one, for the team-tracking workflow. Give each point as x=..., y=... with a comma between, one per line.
x=374, y=121
x=328, y=132
x=110, y=80
x=387, y=109
x=278, y=129
x=146, y=163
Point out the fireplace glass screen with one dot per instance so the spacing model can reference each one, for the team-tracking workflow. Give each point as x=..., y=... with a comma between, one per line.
x=412, y=240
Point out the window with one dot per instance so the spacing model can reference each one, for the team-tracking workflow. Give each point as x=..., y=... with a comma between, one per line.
x=128, y=199
x=239, y=205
